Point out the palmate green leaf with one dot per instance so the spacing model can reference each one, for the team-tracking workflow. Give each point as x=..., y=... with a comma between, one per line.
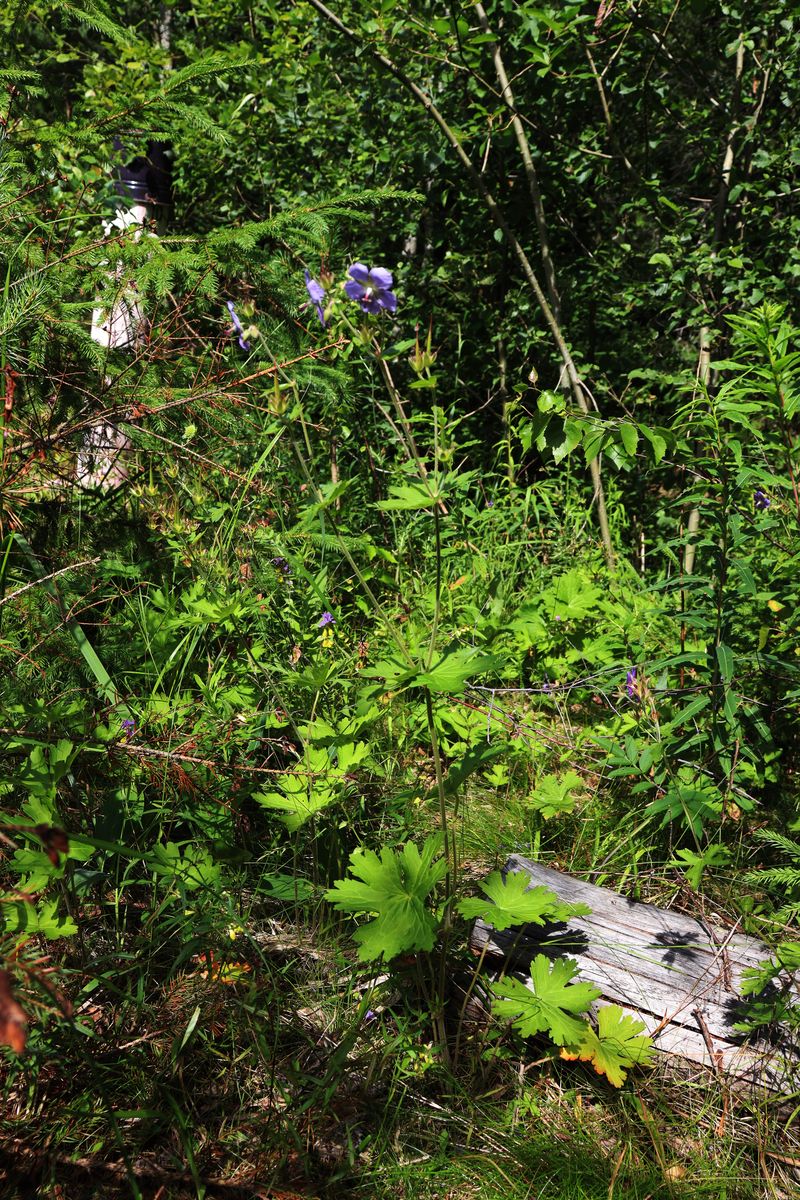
x=395, y=888
x=474, y=760
x=689, y=804
x=280, y=886
x=191, y=867
x=695, y=864
x=393, y=670
x=409, y=498
x=42, y=772
x=553, y=796
x=618, y=1045
x=510, y=903
x=573, y=597
x=27, y=919
x=452, y=671
x=304, y=792
x=550, y=1004
x=297, y=802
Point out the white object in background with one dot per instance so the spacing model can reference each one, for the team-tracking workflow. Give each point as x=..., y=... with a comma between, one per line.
x=101, y=458
x=120, y=327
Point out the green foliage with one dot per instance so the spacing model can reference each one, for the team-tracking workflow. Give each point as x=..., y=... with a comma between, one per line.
x=191, y=755
x=511, y=903
x=25, y=919
x=549, y=1005
x=319, y=783
x=451, y=672
x=394, y=887
x=783, y=880
x=615, y=1046
x=695, y=865
x=554, y=796
x=187, y=868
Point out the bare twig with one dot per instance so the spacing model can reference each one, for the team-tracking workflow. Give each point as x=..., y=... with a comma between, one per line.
x=87, y=562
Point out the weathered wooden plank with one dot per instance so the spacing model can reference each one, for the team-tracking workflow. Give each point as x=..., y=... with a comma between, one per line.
x=616, y=980
x=758, y=1067
x=673, y=965
x=621, y=912
x=680, y=976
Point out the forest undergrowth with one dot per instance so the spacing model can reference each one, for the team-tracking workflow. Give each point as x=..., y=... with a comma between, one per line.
x=326, y=586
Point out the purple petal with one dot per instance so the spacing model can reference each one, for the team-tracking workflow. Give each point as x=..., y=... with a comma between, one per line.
x=320, y=314
x=388, y=300
x=381, y=278
x=237, y=324
x=354, y=291
x=360, y=273
x=315, y=290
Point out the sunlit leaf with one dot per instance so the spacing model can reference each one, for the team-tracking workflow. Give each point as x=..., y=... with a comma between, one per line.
x=452, y=671
x=511, y=902
x=550, y=1004
x=618, y=1045
x=395, y=888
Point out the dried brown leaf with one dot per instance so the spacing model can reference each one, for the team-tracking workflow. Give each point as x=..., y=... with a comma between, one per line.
x=13, y=1021
x=55, y=841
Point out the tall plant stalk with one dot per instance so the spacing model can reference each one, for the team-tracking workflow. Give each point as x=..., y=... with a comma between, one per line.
x=500, y=220
x=704, y=357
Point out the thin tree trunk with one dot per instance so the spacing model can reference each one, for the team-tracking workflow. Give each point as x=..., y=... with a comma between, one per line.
x=499, y=219
x=507, y=97
x=704, y=356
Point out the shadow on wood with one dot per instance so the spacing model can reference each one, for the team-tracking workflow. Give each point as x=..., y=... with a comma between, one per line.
x=680, y=976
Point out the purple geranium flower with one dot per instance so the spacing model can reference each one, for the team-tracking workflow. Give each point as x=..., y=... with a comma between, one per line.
x=237, y=326
x=371, y=287
x=761, y=500
x=325, y=619
x=630, y=683
x=317, y=295
x=128, y=727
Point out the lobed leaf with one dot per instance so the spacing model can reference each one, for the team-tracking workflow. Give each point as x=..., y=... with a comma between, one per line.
x=395, y=888
x=618, y=1045
x=550, y=1003
x=511, y=901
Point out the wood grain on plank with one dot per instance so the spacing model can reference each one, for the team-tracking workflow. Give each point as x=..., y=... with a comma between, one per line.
x=681, y=977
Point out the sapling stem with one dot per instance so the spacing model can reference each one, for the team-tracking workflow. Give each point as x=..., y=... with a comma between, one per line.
x=500, y=220
x=450, y=853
